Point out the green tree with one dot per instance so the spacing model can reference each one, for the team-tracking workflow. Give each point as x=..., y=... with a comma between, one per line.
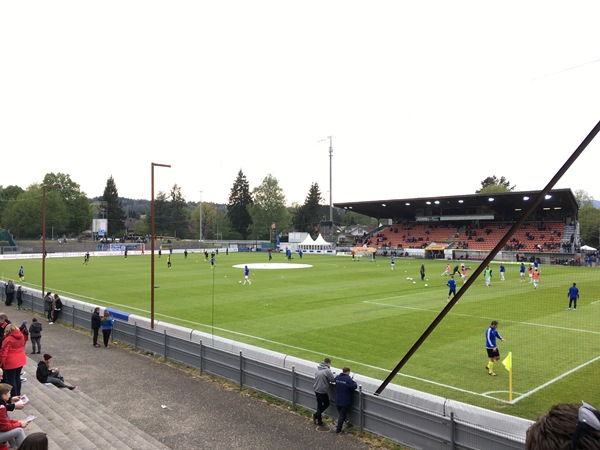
x=178, y=213
x=351, y=218
x=78, y=208
x=23, y=215
x=589, y=219
x=268, y=208
x=142, y=228
x=308, y=217
x=114, y=211
x=583, y=198
x=161, y=214
x=589, y=225
x=210, y=218
x=240, y=199
x=493, y=185
x=6, y=194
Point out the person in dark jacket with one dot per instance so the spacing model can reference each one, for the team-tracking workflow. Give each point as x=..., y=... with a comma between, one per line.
x=20, y=293
x=57, y=308
x=344, y=387
x=9, y=290
x=96, y=326
x=323, y=380
x=35, y=334
x=48, y=306
x=45, y=374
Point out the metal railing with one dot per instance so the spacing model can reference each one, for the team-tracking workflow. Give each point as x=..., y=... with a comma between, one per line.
x=402, y=423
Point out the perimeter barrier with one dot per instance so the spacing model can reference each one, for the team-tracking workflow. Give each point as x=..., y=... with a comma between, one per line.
x=405, y=416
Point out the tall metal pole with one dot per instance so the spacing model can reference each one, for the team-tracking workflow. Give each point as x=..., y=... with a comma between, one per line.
x=44, y=236
x=200, y=216
x=152, y=246
x=330, y=179
x=43, y=241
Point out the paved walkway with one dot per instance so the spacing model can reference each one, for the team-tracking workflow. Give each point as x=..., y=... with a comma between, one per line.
x=179, y=409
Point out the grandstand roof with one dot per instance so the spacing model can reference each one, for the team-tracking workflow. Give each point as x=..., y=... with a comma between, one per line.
x=505, y=206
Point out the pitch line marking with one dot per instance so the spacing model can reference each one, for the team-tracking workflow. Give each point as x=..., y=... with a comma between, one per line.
x=454, y=388
x=477, y=317
x=554, y=380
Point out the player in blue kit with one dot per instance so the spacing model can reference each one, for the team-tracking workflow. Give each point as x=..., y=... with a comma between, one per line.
x=247, y=275
x=452, y=285
x=522, y=272
x=573, y=296
x=491, y=335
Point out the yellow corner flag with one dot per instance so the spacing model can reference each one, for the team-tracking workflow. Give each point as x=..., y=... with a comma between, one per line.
x=508, y=362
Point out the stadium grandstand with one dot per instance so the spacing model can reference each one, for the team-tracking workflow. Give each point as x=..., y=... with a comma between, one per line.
x=470, y=226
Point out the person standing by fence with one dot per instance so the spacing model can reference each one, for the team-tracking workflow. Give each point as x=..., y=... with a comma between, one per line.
x=323, y=380
x=344, y=387
x=57, y=308
x=96, y=324
x=48, y=306
x=106, y=323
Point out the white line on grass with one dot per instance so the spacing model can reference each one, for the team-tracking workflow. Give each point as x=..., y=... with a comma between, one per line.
x=554, y=380
x=548, y=383
x=485, y=318
x=375, y=367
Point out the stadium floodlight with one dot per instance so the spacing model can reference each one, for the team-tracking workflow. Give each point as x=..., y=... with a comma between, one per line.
x=152, y=236
x=44, y=188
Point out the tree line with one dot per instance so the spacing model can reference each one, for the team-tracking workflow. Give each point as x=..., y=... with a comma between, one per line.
x=249, y=214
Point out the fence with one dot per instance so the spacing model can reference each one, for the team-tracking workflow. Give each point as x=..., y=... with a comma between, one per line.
x=405, y=416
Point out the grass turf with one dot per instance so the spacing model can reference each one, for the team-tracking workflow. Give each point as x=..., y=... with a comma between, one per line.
x=367, y=316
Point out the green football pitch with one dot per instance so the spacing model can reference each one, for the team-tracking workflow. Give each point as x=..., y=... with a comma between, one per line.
x=367, y=316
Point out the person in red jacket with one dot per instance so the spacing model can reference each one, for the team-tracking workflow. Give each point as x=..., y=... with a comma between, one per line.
x=11, y=431
x=13, y=357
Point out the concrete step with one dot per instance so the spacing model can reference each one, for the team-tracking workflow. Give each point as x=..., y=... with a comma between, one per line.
x=72, y=420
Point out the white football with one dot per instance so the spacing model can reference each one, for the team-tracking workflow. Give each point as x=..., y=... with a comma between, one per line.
x=240, y=281
x=414, y=282
x=425, y=285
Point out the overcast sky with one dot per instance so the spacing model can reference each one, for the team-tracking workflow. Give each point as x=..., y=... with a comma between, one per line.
x=423, y=98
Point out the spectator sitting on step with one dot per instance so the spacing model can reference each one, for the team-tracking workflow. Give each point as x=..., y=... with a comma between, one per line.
x=15, y=402
x=45, y=374
x=11, y=431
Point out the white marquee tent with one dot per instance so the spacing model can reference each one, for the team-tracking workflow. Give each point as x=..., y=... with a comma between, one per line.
x=317, y=246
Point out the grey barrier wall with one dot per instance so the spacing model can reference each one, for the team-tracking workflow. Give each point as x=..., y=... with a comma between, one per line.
x=412, y=418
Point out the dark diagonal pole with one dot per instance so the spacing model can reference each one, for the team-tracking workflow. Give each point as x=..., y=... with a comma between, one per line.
x=491, y=256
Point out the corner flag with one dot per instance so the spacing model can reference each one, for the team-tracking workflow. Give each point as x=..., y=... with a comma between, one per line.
x=508, y=362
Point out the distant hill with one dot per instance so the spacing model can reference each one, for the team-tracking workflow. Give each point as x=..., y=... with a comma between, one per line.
x=597, y=204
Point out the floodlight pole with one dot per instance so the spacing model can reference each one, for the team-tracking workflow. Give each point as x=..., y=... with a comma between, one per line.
x=44, y=188
x=152, y=245
x=200, y=216
x=330, y=179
